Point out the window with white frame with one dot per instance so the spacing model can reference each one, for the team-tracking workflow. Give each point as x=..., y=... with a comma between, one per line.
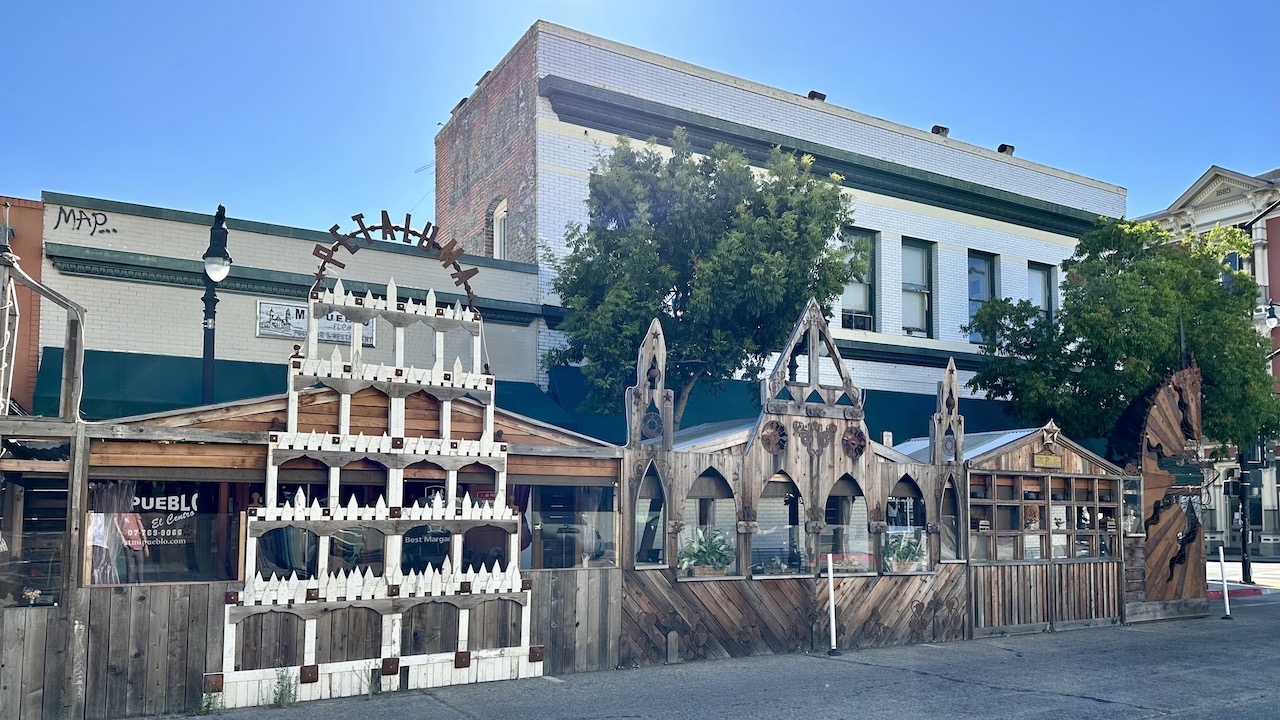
x=500, y=231
x=857, y=303
x=917, y=275
x=982, y=286
x=1040, y=288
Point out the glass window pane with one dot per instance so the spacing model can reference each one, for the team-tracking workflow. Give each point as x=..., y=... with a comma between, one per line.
x=914, y=306
x=915, y=264
x=708, y=542
x=979, y=278
x=845, y=536
x=856, y=297
x=1037, y=287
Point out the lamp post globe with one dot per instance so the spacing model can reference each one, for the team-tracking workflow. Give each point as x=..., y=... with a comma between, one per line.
x=217, y=265
x=1272, y=319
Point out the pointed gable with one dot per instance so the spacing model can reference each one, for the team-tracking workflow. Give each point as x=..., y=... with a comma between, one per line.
x=809, y=377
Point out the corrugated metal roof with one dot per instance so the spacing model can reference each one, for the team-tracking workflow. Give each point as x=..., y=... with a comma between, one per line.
x=975, y=444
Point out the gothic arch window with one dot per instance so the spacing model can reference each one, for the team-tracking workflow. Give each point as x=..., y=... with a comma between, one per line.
x=845, y=536
x=651, y=520
x=949, y=527
x=906, y=544
x=778, y=548
x=708, y=540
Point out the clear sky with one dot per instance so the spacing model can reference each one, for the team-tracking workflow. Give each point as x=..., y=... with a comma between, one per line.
x=303, y=113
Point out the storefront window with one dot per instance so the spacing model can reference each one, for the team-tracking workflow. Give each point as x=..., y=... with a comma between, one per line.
x=778, y=546
x=161, y=532
x=566, y=526
x=485, y=548
x=708, y=541
x=356, y=549
x=845, y=536
x=424, y=549
x=31, y=543
x=1086, y=524
x=906, y=545
x=288, y=550
x=651, y=521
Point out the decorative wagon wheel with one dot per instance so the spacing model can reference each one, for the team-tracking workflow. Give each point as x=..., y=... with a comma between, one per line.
x=774, y=437
x=651, y=425
x=853, y=442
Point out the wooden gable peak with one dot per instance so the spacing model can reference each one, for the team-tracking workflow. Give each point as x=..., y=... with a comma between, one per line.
x=946, y=431
x=651, y=390
x=793, y=388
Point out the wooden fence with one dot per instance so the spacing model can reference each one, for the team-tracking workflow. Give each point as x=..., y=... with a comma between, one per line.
x=148, y=649
x=1037, y=597
x=576, y=618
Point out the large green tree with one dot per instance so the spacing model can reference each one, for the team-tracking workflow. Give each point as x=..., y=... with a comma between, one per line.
x=1137, y=304
x=725, y=256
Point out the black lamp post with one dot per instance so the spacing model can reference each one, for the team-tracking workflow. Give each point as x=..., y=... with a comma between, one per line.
x=217, y=263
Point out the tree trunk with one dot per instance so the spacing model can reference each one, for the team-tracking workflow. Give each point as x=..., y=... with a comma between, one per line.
x=681, y=400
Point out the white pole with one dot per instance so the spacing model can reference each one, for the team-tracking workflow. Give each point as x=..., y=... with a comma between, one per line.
x=831, y=606
x=1222, y=570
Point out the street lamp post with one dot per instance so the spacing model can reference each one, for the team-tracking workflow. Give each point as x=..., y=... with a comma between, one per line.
x=217, y=264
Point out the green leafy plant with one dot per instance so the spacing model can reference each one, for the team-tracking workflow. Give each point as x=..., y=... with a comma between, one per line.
x=286, y=690
x=711, y=549
x=902, y=549
x=724, y=256
x=210, y=704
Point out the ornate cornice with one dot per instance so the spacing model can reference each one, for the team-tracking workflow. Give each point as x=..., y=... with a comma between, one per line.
x=622, y=114
x=133, y=267
x=161, y=276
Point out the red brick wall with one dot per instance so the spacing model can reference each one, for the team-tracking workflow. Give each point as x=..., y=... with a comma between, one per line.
x=485, y=153
x=27, y=219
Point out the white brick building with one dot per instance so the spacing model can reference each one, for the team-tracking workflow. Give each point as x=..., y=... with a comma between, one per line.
x=560, y=99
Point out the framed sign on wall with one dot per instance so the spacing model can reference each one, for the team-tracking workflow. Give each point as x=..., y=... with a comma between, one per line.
x=288, y=321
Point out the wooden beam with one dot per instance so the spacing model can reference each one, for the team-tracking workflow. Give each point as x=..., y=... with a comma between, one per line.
x=50, y=466
x=148, y=432
x=11, y=427
x=563, y=451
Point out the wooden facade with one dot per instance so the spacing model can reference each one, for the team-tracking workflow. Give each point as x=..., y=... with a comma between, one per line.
x=952, y=538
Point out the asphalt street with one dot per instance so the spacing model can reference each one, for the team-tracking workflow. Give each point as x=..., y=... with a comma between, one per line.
x=1205, y=668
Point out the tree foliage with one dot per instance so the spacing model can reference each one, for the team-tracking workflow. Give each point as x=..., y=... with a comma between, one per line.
x=1136, y=305
x=724, y=256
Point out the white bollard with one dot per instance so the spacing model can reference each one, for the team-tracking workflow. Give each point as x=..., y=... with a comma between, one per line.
x=1222, y=572
x=831, y=606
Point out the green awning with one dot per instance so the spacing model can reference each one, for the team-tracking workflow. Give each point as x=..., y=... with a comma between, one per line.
x=121, y=384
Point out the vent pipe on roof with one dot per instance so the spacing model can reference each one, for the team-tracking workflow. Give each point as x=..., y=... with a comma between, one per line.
x=941, y=130
x=1005, y=149
x=815, y=95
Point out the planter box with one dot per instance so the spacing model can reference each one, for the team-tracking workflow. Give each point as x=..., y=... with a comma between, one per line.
x=707, y=571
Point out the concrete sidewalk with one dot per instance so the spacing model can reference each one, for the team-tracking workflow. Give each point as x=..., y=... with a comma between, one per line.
x=1266, y=579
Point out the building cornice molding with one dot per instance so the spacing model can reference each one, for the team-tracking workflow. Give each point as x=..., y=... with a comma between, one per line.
x=622, y=114
x=53, y=199
x=156, y=270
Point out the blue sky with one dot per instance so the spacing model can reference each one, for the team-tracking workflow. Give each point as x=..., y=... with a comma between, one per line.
x=302, y=114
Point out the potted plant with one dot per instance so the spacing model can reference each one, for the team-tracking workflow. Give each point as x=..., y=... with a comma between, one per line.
x=903, y=552
x=706, y=553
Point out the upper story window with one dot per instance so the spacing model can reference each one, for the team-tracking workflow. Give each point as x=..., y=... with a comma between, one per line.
x=857, y=303
x=500, y=231
x=917, y=281
x=982, y=286
x=1040, y=288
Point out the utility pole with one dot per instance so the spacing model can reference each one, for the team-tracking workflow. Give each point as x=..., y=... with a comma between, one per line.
x=1247, y=480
